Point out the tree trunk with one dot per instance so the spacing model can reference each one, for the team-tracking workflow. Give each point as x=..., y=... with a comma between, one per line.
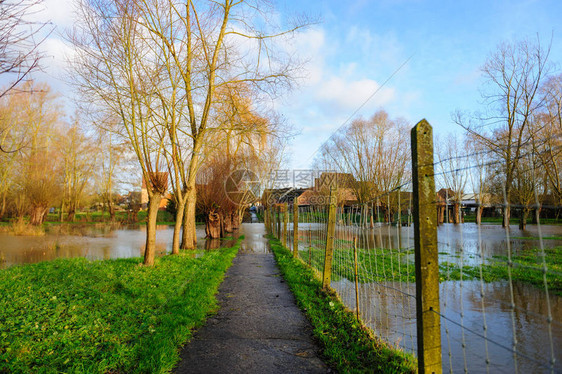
x=177, y=228
x=213, y=225
x=227, y=222
x=3, y=209
x=479, y=211
x=61, y=213
x=150, y=247
x=535, y=217
x=111, y=210
x=71, y=214
x=37, y=215
x=237, y=218
x=523, y=219
x=456, y=213
x=189, y=238
x=506, y=216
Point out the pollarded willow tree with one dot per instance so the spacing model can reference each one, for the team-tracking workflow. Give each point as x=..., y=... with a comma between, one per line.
x=158, y=64
x=238, y=157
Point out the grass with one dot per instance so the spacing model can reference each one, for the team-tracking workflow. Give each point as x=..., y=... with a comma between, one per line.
x=553, y=237
x=377, y=265
x=380, y=265
x=112, y=316
x=346, y=344
x=526, y=267
x=512, y=220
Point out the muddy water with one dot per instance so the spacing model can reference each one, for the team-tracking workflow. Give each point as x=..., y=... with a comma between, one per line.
x=96, y=243
x=391, y=314
x=389, y=309
x=466, y=241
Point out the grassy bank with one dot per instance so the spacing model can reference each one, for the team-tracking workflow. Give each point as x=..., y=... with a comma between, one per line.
x=114, y=316
x=347, y=345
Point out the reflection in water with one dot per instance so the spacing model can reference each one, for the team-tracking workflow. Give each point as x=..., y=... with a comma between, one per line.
x=453, y=240
x=102, y=243
x=254, y=238
x=92, y=242
x=389, y=310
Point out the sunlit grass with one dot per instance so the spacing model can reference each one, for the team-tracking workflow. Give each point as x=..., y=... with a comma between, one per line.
x=112, y=316
x=346, y=344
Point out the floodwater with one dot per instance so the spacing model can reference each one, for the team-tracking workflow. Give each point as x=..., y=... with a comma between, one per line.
x=92, y=242
x=468, y=242
x=389, y=310
x=468, y=306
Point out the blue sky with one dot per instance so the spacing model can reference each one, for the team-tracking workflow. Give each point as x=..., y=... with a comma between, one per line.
x=359, y=43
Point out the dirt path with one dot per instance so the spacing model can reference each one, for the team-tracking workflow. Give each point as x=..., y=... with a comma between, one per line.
x=259, y=328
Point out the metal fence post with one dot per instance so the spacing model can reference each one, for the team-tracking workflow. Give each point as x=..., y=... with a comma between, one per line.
x=425, y=238
x=329, y=254
x=295, y=228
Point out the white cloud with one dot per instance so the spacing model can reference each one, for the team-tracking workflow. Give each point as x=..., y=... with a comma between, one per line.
x=58, y=12
x=349, y=95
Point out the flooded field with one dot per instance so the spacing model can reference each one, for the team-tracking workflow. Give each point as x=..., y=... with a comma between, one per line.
x=389, y=308
x=92, y=242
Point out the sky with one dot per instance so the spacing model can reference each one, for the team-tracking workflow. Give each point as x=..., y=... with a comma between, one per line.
x=428, y=52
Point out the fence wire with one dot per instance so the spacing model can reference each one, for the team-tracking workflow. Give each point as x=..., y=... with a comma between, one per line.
x=501, y=310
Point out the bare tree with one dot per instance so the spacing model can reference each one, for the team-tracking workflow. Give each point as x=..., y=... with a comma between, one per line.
x=373, y=152
x=453, y=163
x=35, y=117
x=114, y=75
x=177, y=55
x=547, y=135
x=19, y=41
x=479, y=158
x=514, y=73
x=78, y=158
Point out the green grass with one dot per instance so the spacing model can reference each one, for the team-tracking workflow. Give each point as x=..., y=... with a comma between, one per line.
x=554, y=237
x=380, y=265
x=376, y=265
x=347, y=345
x=526, y=267
x=113, y=316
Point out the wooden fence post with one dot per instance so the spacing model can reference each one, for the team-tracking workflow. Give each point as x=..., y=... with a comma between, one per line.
x=285, y=222
x=295, y=228
x=278, y=221
x=329, y=253
x=425, y=238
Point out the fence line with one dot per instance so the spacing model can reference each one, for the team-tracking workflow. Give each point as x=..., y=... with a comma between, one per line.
x=500, y=307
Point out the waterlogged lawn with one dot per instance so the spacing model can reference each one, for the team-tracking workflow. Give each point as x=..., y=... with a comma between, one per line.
x=113, y=316
x=525, y=267
x=383, y=265
x=347, y=345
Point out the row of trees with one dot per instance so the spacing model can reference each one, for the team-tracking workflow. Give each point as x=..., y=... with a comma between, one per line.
x=514, y=155
x=185, y=80
x=509, y=154
x=49, y=160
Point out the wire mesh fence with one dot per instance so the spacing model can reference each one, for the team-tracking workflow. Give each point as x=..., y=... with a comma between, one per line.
x=499, y=288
